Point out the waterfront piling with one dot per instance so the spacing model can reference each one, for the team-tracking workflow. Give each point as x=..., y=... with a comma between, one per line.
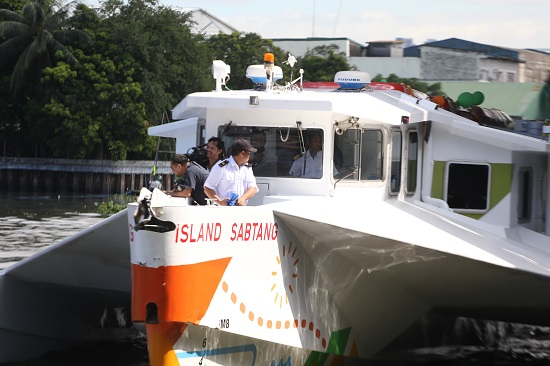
x=69, y=176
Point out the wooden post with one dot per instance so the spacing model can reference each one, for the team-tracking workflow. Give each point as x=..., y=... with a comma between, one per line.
x=96, y=186
x=75, y=183
x=105, y=178
x=10, y=180
x=89, y=183
x=62, y=182
x=48, y=182
x=35, y=187
x=22, y=181
x=122, y=180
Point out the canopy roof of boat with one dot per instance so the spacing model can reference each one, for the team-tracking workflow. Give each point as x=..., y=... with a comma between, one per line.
x=378, y=106
x=387, y=107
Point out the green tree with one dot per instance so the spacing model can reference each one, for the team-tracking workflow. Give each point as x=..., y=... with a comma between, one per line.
x=106, y=121
x=430, y=89
x=323, y=62
x=143, y=61
x=14, y=5
x=240, y=50
x=11, y=113
x=173, y=61
x=31, y=38
x=94, y=108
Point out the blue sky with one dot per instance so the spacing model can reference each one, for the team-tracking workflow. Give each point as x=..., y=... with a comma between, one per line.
x=503, y=23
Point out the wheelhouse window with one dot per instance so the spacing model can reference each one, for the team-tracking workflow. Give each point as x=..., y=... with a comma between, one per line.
x=358, y=155
x=412, y=161
x=524, y=204
x=467, y=186
x=396, y=148
x=201, y=132
x=282, y=152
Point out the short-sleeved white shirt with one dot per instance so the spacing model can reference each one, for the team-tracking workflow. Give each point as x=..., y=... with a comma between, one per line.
x=227, y=177
x=313, y=168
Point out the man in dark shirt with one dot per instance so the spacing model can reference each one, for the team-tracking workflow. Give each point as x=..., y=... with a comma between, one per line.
x=191, y=178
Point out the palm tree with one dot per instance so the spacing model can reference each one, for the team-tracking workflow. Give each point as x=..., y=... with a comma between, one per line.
x=31, y=40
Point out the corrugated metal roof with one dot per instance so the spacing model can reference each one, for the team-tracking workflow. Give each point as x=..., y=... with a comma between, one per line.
x=527, y=100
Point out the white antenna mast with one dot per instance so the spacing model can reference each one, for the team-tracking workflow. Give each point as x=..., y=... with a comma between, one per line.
x=313, y=21
x=337, y=16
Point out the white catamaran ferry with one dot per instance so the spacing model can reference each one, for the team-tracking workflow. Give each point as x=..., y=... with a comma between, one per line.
x=418, y=213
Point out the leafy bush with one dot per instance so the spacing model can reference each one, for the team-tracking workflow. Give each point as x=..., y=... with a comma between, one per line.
x=114, y=204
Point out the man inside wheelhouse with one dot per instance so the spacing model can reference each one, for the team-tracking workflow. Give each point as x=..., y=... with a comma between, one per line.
x=282, y=150
x=298, y=152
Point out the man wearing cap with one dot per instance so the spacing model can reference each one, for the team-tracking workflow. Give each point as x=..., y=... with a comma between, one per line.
x=191, y=178
x=232, y=177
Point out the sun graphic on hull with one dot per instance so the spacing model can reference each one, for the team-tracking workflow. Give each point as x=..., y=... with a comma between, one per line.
x=288, y=264
x=289, y=255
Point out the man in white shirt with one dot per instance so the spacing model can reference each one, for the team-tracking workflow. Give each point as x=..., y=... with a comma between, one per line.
x=214, y=152
x=232, y=177
x=310, y=165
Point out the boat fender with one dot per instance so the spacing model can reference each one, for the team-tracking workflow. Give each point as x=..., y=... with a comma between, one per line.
x=148, y=220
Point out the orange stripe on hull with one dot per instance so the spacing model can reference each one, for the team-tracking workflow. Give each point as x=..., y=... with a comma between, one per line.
x=180, y=293
x=160, y=341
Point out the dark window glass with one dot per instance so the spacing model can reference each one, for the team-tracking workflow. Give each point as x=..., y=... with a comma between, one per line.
x=524, y=204
x=395, y=179
x=358, y=154
x=468, y=186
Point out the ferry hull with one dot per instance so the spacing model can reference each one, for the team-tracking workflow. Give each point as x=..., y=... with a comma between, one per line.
x=306, y=289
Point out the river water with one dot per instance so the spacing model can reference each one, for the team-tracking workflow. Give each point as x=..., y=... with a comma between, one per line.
x=31, y=223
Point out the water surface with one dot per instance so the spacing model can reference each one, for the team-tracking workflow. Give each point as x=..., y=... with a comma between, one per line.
x=31, y=223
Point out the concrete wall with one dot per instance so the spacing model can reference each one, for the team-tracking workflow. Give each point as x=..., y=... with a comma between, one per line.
x=537, y=66
x=446, y=64
x=497, y=70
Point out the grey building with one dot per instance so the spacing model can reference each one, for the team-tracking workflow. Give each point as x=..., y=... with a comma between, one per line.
x=449, y=59
x=513, y=80
x=457, y=59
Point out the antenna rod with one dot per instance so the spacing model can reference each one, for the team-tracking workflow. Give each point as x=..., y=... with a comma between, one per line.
x=313, y=21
